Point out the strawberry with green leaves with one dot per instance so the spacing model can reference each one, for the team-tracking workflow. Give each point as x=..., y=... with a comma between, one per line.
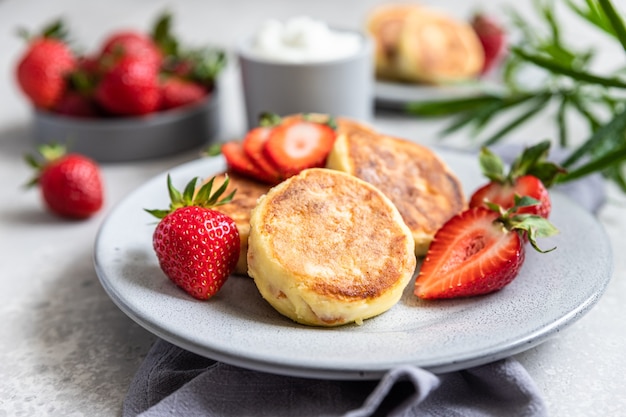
x=480, y=251
x=197, y=247
x=42, y=70
x=71, y=184
x=530, y=174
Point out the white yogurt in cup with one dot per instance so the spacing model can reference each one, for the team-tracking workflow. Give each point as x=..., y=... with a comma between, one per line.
x=303, y=66
x=303, y=40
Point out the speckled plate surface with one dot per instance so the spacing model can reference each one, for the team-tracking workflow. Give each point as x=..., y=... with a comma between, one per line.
x=238, y=327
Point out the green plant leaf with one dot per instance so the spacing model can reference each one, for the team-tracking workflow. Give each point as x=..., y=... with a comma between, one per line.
x=557, y=67
x=616, y=126
x=615, y=20
x=535, y=106
x=438, y=108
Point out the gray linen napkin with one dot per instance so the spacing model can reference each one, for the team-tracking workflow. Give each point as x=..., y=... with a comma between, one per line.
x=175, y=382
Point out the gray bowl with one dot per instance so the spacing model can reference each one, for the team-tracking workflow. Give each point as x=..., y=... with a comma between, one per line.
x=133, y=138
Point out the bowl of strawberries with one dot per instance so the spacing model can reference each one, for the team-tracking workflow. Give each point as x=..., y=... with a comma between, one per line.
x=138, y=95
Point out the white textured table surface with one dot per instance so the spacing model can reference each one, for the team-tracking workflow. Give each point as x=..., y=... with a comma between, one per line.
x=65, y=348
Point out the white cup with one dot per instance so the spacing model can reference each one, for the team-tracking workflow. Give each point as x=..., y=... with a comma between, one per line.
x=339, y=87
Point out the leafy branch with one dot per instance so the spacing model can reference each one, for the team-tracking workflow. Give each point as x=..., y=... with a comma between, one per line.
x=567, y=84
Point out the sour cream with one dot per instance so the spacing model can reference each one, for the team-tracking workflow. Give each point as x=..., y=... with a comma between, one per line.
x=303, y=40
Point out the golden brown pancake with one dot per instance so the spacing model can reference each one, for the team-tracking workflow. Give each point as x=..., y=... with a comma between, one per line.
x=327, y=248
x=422, y=187
x=385, y=24
x=420, y=44
x=245, y=199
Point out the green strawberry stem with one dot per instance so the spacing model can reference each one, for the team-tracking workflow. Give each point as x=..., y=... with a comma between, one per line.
x=269, y=119
x=204, y=197
x=532, y=161
x=47, y=153
x=531, y=225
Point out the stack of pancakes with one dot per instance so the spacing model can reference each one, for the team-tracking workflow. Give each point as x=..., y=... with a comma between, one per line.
x=415, y=43
x=337, y=245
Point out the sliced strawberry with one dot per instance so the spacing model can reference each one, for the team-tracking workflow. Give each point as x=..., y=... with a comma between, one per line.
x=298, y=145
x=253, y=145
x=470, y=255
x=503, y=194
x=238, y=161
x=480, y=251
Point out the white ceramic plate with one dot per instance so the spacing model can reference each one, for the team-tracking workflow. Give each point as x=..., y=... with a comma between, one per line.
x=238, y=327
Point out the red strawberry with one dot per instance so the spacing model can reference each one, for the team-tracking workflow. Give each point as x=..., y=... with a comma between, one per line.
x=299, y=144
x=130, y=88
x=71, y=184
x=197, y=247
x=177, y=92
x=503, y=194
x=253, y=146
x=477, y=252
x=529, y=175
x=77, y=105
x=239, y=162
x=41, y=71
x=492, y=37
x=132, y=44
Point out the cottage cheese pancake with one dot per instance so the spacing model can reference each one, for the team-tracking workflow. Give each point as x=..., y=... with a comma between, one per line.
x=422, y=187
x=248, y=192
x=327, y=248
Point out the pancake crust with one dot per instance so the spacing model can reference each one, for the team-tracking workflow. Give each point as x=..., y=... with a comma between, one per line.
x=422, y=187
x=326, y=249
x=245, y=199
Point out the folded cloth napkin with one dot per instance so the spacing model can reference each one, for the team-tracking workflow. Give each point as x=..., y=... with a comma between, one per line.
x=174, y=382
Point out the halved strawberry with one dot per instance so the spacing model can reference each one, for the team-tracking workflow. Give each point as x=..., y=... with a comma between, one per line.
x=298, y=145
x=479, y=251
x=254, y=144
x=529, y=175
x=238, y=161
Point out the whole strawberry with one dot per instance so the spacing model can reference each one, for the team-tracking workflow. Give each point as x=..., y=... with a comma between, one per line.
x=197, y=247
x=492, y=38
x=177, y=92
x=71, y=184
x=41, y=71
x=131, y=87
x=529, y=175
x=131, y=44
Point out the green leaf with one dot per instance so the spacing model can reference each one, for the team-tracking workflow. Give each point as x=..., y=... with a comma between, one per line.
x=438, y=108
x=593, y=15
x=614, y=158
x=615, y=20
x=491, y=165
x=176, y=197
x=616, y=126
x=214, y=149
x=529, y=157
x=561, y=122
x=559, y=68
x=535, y=107
x=190, y=190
